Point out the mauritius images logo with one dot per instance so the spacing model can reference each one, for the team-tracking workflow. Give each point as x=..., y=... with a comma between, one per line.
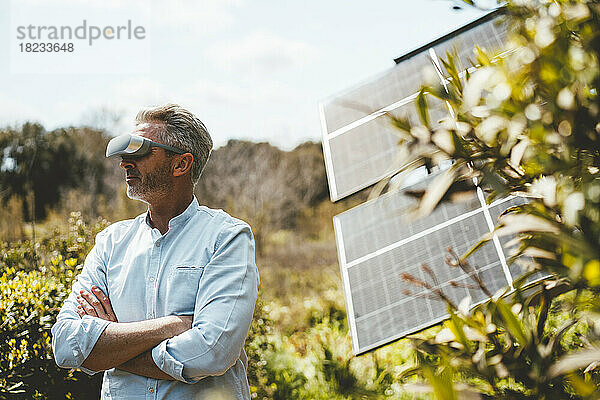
x=83, y=32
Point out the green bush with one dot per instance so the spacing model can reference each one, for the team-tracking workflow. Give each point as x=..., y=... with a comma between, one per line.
x=316, y=363
x=29, y=303
x=35, y=280
x=525, y=123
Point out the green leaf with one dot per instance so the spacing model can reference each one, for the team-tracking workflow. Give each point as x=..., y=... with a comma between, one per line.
x=401, y=123
x=408, y=372
x=439, y=92
x=543, y=312
x=441, y=381
x=474, y=248
x=512, y=323
x=482, y=58
x=582, y=386
x=450, y=66
x=456, y=325
x=557, y=337
x=422, y=108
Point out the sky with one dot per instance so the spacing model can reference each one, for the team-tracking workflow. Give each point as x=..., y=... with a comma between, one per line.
x=252, y=70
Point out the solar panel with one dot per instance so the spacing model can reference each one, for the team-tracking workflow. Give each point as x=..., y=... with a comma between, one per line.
x=377, y=245
x=381, y=253
x=359, y=143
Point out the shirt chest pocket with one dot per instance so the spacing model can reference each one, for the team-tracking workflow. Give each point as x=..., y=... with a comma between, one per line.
x=183, y=282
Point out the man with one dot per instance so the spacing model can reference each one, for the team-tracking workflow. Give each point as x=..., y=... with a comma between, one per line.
x=165, y=300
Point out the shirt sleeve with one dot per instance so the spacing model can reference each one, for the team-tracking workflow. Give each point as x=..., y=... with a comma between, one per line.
x=223, y=312
x=73, y=337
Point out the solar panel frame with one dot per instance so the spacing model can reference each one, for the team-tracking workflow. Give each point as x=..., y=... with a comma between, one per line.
x=373, y=279
x=493, y=14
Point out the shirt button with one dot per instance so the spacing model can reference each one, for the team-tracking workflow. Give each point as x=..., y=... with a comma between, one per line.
x=151, y=279
x=157, y=244
x=151, y=390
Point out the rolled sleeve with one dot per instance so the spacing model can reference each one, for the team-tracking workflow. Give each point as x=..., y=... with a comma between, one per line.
x=73, y=337
x=73, y=340
x=223, y=312
x=167, y=363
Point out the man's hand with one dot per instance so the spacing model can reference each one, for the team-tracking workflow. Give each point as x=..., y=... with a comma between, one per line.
x=96, y=305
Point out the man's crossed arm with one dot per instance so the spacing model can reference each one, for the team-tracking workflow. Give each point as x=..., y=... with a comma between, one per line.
x=127, y=345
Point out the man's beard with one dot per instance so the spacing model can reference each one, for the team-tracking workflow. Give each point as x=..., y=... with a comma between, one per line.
x=154, y=184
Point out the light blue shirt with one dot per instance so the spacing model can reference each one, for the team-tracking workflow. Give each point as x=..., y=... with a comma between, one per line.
x=202, y=266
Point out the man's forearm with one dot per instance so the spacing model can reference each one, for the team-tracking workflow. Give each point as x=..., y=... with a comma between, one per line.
x=144, y=365
x=122, y=341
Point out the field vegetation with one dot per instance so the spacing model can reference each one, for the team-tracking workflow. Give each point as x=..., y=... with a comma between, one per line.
x=299, y=345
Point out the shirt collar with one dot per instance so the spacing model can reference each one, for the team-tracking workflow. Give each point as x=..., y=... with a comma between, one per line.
x=181, y=218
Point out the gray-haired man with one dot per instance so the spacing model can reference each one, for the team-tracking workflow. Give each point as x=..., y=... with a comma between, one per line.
x=164, y=302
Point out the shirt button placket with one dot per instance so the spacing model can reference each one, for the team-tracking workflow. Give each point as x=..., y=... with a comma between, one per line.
x=151, y=389
x=153, y=271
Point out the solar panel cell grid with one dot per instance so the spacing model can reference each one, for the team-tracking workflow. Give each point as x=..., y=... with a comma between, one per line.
x=377, y=327
x=338, y=114
x=366, y=153
x=387, y=219
x=384, y=272
x=375, y=285
x=391, y=86
x=351, y=113
x=489, y=36
x=370, y=152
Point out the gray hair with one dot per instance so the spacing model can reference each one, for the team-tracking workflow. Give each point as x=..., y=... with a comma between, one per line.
x=183, y=130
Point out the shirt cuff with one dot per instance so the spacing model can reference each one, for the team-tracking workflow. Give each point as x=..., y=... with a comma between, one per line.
x=169, y=365
x=85, y=339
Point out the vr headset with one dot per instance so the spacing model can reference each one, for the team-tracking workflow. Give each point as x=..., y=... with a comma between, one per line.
x=135, y=146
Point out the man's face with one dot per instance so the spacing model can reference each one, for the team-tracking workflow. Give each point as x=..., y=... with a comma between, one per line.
x=148, y=177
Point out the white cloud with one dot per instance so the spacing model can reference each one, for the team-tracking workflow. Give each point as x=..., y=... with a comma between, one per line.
x=254, y=94
x=136, y=91
x=217, y=93
x=14, y=111
x=113, y=108
x=261, y=53
x=206, y=16
x=254, y=112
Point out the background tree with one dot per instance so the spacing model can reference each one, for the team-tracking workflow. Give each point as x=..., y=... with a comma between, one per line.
x=39, y=166
x=264, y=185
